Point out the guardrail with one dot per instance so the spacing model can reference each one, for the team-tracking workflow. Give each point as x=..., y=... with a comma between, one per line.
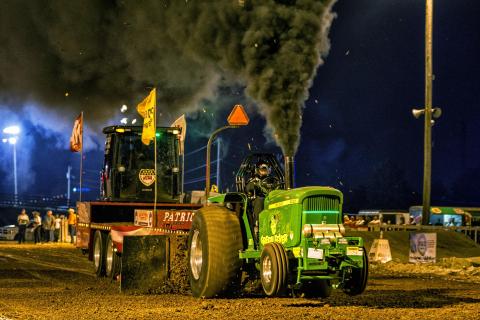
x=36, y=202
x=469, y=231
x=8, y=200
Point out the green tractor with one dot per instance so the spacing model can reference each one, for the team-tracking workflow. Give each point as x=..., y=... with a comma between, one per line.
x=291, y=239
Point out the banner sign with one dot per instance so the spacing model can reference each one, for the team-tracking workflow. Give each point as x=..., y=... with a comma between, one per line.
x=423, y=247
x=167, y=219
x=143, y=218
x=175, y=219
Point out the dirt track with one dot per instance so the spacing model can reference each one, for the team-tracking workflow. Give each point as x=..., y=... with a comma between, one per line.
x=55, y=281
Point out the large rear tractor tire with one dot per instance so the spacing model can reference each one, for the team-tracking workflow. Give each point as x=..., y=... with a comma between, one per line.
x=99, y=253
x=359, y=278
x=112, y=260
x=274, y=269
x=214, y=242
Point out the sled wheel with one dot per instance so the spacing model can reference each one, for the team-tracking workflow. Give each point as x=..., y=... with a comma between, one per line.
x=112, y=260
x=99, y=253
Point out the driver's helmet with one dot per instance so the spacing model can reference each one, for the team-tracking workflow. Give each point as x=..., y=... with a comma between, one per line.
x=263, y=170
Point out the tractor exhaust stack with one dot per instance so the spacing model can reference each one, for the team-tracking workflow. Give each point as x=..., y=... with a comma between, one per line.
x=289, y=172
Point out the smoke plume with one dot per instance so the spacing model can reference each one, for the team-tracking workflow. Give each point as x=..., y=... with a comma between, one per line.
x=96, y=55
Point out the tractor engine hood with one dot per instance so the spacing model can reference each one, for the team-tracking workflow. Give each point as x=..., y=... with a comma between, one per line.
x=280, y=198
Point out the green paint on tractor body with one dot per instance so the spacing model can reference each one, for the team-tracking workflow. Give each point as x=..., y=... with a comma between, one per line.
x=285, y=214
x=298, y=241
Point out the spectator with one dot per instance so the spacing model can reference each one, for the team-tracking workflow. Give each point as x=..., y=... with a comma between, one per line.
x=346, y=221
x=412, y=220
x=468, y=220
x=72, y=222
x=58, y=224
x=418, y=219
x=374, y=224
x=37, y=227
x=375, y=221
x=22, y=221
x=49, y=226
x=367, y=220
x=360, y=222
x=389, y=225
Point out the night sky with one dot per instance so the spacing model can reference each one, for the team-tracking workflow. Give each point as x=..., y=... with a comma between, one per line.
x=358, y=133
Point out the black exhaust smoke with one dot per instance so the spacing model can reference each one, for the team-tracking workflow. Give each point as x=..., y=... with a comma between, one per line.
x=289, y=172
x=96, y=55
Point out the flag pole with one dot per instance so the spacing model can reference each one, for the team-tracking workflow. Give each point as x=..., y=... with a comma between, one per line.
x=81, y=155
x=155, y=155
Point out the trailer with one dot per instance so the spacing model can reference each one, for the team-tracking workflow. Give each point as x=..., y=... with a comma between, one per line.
x=126, y=235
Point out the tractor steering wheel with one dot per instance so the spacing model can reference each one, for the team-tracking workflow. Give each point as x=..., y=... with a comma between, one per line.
x=269, y=183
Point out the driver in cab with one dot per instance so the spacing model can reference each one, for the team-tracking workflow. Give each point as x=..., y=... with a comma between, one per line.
x=257, y=188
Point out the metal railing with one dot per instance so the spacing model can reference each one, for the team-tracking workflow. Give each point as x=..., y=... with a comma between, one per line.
x=469, y=231
x=33, y=201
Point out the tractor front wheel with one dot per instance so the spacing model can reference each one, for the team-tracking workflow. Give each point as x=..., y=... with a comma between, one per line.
x=214, y=242
x=274, y=269
x=357, y=282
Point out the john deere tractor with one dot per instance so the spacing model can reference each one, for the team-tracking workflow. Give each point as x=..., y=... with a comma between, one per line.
x=292, y=239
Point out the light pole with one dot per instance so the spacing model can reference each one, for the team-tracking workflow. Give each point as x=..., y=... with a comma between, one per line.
x=428, y=112
x=13, y=131
x=13, y=141
x=427, y=161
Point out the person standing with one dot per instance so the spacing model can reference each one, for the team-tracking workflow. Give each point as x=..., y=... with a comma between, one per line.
x=72, y=222
x=37, y=231
x=22, y=221
x=58, y=223
x=48, y=226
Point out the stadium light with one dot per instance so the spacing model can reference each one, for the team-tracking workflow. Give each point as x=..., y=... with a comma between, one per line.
x=12, y=130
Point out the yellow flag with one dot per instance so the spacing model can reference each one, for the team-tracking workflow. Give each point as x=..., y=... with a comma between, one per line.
x=146, y=108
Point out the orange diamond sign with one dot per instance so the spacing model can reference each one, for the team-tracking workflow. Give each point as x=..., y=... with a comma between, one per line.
x=238, y=116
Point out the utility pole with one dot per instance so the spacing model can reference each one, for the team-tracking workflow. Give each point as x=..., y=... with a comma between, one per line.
x=427, y=157
x=219, y=141
x=68, y=185
x=428, y=112
x=209, y=146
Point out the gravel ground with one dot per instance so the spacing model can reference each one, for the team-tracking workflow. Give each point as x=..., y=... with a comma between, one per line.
x=55, y=281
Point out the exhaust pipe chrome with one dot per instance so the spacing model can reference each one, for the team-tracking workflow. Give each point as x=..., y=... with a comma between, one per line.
x=289, y=172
